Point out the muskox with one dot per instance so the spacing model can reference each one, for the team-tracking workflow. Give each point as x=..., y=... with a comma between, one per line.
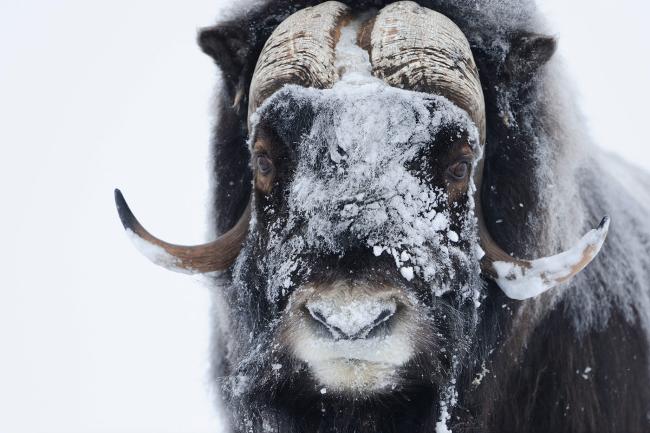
x=401, y=191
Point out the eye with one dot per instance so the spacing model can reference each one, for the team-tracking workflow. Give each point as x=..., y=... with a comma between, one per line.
x=459, y=170
x=263, y=164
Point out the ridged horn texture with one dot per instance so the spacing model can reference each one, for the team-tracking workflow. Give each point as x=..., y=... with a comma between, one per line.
x=213, y=256
x=301, y=50
x=418, y=49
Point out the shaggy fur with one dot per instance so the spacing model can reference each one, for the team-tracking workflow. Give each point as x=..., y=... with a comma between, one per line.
x=574, y=360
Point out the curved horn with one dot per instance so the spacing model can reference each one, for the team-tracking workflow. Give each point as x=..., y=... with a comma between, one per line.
x=523, y=279
x=217, y=255
x=416, y=48
x=301, y=50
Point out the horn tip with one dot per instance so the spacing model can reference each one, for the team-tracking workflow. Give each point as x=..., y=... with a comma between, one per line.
x=604, y=223
x=126, y=216
x=119, y=198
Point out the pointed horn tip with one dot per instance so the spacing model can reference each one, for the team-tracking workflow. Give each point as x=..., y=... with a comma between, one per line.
x=126, y=216
x=604, y=224
x=598, y=236
x=535, y=277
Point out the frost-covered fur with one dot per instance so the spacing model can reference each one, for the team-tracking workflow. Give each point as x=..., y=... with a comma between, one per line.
x=574, y=359
x=370, y=133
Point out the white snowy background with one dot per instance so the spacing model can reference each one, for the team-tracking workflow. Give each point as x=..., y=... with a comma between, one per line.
x=94, y=95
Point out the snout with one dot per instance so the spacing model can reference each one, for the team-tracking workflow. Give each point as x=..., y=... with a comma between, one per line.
x=353, y=336
x=359, y=319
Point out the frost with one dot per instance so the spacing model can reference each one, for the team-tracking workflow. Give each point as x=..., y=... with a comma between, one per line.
x=351, y=61
x=240, y=384
x=447, y=404
x=481, y=375
x=407, y=272
x=354, y=317
x=585, y=373
x=352, y=181
x=156, y=253
x=388, y=351
x=520, y=282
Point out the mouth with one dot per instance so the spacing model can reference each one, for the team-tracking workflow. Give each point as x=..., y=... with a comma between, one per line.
x=353, y=338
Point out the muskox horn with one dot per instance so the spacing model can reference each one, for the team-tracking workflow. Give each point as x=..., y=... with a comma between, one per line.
x=301, y=50
x=522, y=279
x=217, y=255
x=419, y=49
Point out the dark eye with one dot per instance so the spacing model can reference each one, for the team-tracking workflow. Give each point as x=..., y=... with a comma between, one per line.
x=263, y=164
x=459, y=170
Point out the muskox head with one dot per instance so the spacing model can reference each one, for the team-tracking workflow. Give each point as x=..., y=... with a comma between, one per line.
x=360, y=261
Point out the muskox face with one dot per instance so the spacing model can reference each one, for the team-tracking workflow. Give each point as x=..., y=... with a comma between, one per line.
x=364, y=244
x=354, y=270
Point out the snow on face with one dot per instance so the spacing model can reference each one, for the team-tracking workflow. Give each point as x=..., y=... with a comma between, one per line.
x=359, y=169
x=353, y=184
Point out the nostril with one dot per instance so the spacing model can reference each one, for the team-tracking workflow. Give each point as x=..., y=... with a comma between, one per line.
x=383, y=316
x=352, y=320
x=379, y=326
x=322, y=321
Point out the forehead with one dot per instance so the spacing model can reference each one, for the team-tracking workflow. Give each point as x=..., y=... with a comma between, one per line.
x=371, y=116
